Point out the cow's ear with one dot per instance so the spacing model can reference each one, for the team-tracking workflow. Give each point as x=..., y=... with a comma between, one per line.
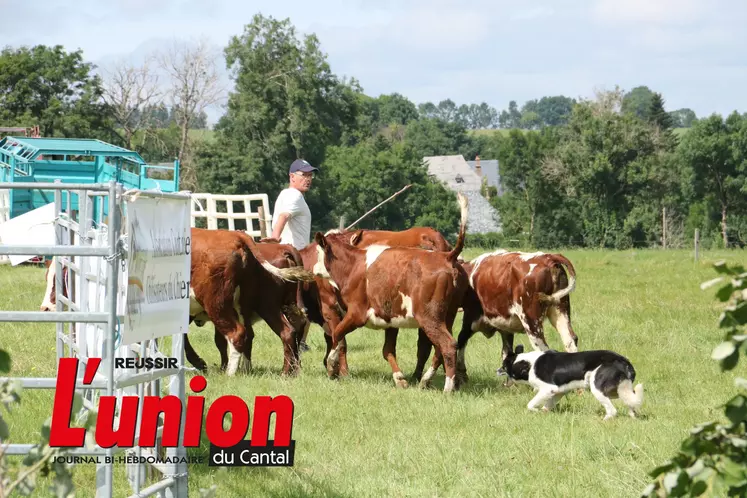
x=356, y=237
x=319, y=239
x=519, y=349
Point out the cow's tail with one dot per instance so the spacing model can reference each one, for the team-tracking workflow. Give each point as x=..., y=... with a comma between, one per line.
x=292, y=274
x=459, y=246
x=297, y=274
x=555, y=297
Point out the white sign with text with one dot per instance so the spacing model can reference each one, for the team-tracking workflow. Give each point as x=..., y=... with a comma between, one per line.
x=159, y=259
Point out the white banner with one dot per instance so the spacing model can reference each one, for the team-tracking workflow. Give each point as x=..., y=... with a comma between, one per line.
x=159, y=259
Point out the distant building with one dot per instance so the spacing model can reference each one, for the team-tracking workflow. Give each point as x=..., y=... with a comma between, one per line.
x=488, y=169
x=458, y=176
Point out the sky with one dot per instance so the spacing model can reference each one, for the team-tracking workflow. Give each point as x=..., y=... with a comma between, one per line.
x=471, y=51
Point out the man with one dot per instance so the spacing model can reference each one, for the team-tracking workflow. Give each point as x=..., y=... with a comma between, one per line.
x=291, y=221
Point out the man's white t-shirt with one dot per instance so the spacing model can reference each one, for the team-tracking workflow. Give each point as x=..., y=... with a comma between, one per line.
x=297, y=229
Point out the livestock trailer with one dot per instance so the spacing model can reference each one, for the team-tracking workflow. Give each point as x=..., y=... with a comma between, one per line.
x=73, y=160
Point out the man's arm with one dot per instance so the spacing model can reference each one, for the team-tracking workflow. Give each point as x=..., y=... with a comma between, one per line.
x=282, y=220
x=275, y=236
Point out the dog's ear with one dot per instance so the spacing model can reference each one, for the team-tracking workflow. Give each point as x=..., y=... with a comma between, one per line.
x=519, y=349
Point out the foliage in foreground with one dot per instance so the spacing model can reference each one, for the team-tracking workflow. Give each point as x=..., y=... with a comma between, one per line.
x=714, y=458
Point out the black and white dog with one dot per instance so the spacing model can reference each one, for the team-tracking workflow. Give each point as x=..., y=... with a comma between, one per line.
x=605, y=373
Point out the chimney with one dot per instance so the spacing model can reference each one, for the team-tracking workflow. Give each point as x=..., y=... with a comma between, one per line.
x=478, y=168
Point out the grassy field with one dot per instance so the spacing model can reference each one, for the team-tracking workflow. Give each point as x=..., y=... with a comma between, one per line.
x=362, y=437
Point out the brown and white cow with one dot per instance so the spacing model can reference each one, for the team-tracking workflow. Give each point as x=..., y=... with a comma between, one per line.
x=326, y=307
x=386, y=287
x=513, y=292
x=233, y=286
x=280, y=256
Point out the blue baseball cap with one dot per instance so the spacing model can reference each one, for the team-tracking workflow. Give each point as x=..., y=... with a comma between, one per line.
x=302, y=165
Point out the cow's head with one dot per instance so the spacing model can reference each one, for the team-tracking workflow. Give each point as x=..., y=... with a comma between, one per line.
x=324, y=252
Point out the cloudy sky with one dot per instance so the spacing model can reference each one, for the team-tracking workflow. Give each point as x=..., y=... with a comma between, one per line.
x=693, y=51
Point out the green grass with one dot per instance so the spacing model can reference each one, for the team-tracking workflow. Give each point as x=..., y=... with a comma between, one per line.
x=363, y=437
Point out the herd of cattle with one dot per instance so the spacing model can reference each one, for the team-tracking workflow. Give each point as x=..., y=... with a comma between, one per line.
x=345, y=280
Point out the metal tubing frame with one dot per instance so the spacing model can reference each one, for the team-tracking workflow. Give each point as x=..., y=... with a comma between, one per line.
x=174, y=481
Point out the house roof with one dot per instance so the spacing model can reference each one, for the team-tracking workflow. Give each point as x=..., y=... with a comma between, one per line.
x=489, y=169
x=454, y=171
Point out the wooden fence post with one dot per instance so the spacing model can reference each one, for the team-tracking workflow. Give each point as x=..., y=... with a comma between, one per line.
x=342, y=222
x=697, y=243
x=664, y=228
x=262, y=222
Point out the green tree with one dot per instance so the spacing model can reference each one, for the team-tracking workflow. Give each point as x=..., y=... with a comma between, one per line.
x=715, y=151
x=638, y=102
x=510, y=118
x=363, y=175
x=436, y=137
x=287, y=104
x=683, y=118
x=527, y=192
x=395, y=108
x=615, y=170
x=54, y=89
x=547, y=111
x=660, y=118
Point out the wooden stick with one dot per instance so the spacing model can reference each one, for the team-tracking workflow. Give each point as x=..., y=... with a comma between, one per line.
x=378, y=205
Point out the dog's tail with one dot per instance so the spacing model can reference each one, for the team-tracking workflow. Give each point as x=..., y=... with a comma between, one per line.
x=633, y=398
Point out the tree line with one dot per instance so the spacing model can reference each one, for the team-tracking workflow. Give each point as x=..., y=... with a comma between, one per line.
x=597, y=172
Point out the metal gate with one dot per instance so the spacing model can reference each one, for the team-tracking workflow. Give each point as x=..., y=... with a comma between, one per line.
x=91, y=251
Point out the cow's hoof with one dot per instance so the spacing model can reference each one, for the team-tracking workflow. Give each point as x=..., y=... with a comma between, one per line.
x=424, y=384
x=399, y=380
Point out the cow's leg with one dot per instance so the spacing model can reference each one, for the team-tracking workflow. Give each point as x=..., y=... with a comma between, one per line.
x=464, y=337
x=389, y=351
x=279, y=323
x=236, y=338
x=302, y=346
x=192, y=357
x=349, y=323
x=439, y=335
x=222, y=344
x=333, y=319
x=436, y=363
x=226, y=321
x=560, y=318
x=531, y=320
x=424, y=351
x=507, y=338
